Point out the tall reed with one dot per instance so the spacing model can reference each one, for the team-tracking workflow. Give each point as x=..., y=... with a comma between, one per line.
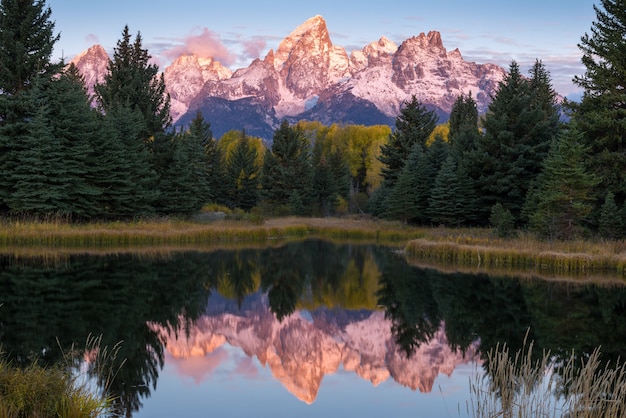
x=61, y=390
x=518, y=386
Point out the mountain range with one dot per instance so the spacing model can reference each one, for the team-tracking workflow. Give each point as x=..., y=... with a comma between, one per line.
x=310, y=78
x=306, y=346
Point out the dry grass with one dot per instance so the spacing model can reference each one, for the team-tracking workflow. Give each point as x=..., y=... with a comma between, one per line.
x=517, y=386
x=478, y=250
x=190, y=234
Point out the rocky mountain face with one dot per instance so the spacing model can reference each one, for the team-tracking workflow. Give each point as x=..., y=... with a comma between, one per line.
x=306, y=346
x=308, y=77
x=93, y=65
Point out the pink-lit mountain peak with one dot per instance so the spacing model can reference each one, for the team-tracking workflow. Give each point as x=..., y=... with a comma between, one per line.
x=308, y=77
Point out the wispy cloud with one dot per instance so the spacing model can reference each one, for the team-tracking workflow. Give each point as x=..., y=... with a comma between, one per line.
x=204, y=43
x=92, y=39
x=253, y=47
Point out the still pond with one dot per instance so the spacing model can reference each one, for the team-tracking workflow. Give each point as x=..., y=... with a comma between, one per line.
x=307, y=329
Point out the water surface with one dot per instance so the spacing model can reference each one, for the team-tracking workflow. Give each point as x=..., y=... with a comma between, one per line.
x=308, y=328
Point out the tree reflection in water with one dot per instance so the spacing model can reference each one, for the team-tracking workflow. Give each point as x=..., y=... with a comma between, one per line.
x=58, y=302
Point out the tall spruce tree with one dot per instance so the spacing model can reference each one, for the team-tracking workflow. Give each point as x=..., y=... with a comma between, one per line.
x=26, y=42
x=601, y=115
x=37, y=188
x=215, y=167
x=519, y=127
x=447, y=197
x=243, y=175
x=463, y=125
x=132, y=190
x=287, y=171
x=413, y=126
x=134, y=83
x=408, y=200
x=74, y=126
x=562, y=198
x=611, y=223
x=179, y=192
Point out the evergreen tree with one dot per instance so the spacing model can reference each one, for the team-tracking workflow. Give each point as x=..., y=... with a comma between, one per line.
x=179, y=193
x=408, y=200
x=413, y=126
x=55, y=167
x=201, y=144
x=132, y=189
x=463, y=126
x=26, y=43
x=134, y=83
x=331, y=179
x=502, y=220
x=445, y=202
x=37, y=187
x=74, y=126
x=324, y=188
x=519, y=127
x=562, y=197
x=287, y=171
x=601, y=115
x=215, y=165
x=611, y=223
x=243, y=175
x=438, y=153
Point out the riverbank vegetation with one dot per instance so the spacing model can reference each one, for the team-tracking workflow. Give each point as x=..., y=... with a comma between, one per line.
x=472, y=249
x=521, y=385
x=37, y=391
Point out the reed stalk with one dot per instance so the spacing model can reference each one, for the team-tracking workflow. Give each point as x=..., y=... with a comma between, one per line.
x=518, y=386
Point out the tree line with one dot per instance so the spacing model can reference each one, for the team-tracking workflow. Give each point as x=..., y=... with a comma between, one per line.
x=117, y=156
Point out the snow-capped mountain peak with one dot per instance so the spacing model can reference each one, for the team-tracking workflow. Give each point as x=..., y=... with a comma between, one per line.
x=308, y=77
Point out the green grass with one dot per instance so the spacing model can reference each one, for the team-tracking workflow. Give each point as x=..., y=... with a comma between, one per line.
x=59, y=391
x=518, y=386
x=41, y=392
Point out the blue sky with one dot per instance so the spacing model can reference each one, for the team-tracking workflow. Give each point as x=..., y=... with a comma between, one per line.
x=235, y=32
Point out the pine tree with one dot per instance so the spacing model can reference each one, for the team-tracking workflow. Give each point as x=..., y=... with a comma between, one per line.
x=287, y=172
x=215, y=174
x=178, y=191
x=463, y=126
x=444, y=204
x=408, y=200
x=132, y=82
x=611, y=224
x=601, y=115
x=37, y=187
x=562, y=198
x=519, y=127
x=133, y=189
x=243, y=175
x=413, y=126
x=26, y=43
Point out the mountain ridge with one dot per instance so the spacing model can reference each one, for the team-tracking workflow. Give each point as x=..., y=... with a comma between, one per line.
x=310, y=78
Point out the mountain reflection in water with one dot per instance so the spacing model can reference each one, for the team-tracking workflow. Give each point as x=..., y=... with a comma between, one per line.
x=304, y=309
x=304, y=347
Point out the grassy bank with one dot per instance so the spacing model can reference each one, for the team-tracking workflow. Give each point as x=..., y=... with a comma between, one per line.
x=466, y=249
x=179, y=233
x=479, y=250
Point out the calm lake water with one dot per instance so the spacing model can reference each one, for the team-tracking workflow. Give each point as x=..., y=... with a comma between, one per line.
x=304, y=329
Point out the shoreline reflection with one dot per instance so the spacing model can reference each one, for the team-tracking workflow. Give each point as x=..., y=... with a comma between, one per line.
x=306, y=346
